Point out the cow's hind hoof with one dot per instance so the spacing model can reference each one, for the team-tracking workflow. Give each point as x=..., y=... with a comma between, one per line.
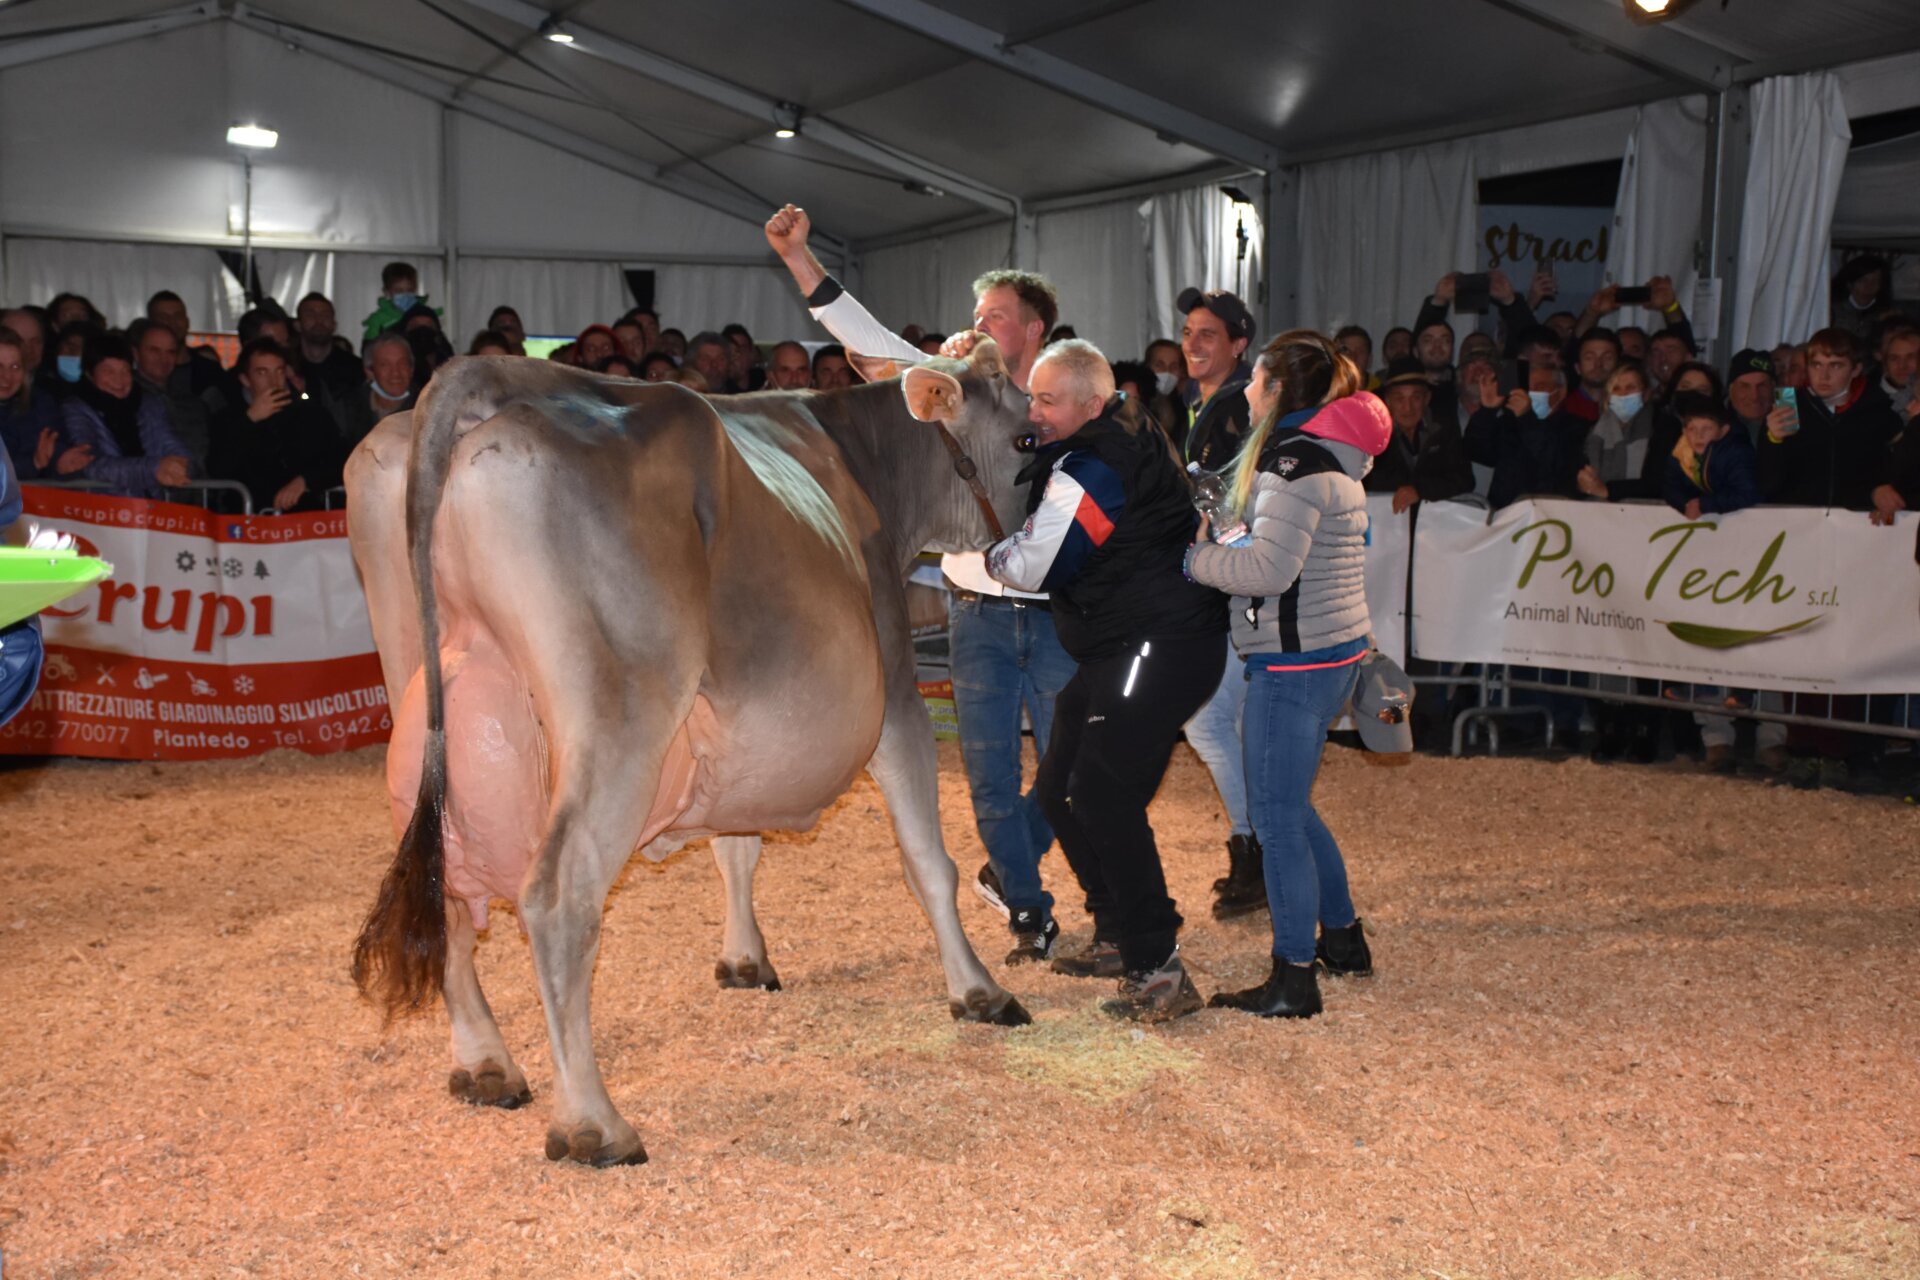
x=747, y=974
x=982, y=1007
x=490, y=1085
x=583, y=1146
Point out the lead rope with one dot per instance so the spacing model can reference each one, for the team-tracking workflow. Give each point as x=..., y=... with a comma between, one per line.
x=964, y=468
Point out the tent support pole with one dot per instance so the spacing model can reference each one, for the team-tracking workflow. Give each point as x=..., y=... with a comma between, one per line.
x=1722, y=211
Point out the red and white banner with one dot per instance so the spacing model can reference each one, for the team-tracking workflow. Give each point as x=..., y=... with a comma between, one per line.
x=216, y=636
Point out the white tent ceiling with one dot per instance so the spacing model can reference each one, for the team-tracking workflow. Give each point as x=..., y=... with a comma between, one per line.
x=999, y=100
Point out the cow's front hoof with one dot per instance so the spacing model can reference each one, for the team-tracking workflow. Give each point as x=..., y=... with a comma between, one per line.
x=982, y=1006
x=490, y=1085
x=746, y=974
x=584, y=1146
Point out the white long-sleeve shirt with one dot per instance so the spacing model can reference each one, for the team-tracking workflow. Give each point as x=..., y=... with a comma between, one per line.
x=857, y=330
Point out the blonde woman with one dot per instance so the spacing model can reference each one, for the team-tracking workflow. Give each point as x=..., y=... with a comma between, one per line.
x=1300, y=624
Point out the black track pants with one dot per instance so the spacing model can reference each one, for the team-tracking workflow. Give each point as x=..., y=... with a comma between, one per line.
x=1114, y=727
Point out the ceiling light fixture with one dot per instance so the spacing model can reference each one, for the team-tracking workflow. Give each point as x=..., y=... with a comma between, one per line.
x=1647, y=12
x=786, y=120
x=921, y=188
x=252, y=135
x=553, y=31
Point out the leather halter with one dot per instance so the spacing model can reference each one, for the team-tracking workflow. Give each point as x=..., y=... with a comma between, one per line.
x=964, y=468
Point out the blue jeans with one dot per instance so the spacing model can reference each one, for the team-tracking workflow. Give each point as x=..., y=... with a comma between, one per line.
x=1288, y=714
x=1005, y=658
x=1214, y=735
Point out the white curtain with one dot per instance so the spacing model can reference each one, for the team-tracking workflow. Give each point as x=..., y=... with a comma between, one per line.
x=1096, y=257
x=117, y=278
x=554, y=297
x=351, y=281
x=1800, y=139
x=692, y=298
x=1656, y=216
x=930, y=282
x=1193, y=240
x=1377, y=232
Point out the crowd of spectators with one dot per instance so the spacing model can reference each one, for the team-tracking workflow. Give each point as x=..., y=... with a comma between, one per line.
x=1562, y=404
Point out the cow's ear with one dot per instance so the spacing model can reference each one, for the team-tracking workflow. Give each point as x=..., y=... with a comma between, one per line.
x=987, y=360
x=874, y=368
x=932, y=396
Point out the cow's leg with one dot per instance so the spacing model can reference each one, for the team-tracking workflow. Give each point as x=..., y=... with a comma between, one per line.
x=483, y=1071
x=598, y=817
x=593, y=833
x=907, y=768
x=743, y=951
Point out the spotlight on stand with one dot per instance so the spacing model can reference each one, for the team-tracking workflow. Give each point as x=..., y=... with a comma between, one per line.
x=1647, y=12
x=553, y=31
x=249, y=138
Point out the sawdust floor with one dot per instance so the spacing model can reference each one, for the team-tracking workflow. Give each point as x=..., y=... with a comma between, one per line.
x=1628, y=1023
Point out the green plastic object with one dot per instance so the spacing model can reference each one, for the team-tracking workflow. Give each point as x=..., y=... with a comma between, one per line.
x=31, y=580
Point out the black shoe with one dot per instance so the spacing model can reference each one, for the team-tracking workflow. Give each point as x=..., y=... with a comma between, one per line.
x=987, y=885
x=1034, y=933
x=1101, y=959
x=1290, y=991
x=1154, y=995
x=1343, y=953
x=1243, y=890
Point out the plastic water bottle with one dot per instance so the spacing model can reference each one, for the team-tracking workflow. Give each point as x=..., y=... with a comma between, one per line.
x=1210, y=500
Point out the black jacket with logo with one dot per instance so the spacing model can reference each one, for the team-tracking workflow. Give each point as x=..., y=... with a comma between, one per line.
x=1131, y=587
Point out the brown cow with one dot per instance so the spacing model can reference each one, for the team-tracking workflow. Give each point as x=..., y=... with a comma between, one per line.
x=616, y=616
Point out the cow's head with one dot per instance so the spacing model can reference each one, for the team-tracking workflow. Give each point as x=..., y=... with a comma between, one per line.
x=978, y=403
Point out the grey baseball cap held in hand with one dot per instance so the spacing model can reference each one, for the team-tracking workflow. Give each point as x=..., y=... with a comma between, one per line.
x=1383, y=705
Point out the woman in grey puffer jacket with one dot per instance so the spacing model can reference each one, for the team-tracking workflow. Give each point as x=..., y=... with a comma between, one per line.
x=1300, y=623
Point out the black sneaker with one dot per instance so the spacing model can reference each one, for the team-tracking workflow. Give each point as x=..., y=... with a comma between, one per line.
x=1155, y=995
x=987, y=885
x=1101, y=959
x=1034, y=935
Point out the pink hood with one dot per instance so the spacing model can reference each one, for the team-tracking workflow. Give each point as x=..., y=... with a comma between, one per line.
x=1360, y=420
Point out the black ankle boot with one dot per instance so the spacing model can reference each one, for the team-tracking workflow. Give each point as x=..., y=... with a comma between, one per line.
x=1343, y=953
x=1243, y=890
x=1290, y=991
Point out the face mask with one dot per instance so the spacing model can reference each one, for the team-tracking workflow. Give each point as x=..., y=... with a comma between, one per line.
x=405, y=301
x=1164, y=383
x=1542, y=403
x=1625, y=407
x=68, y=368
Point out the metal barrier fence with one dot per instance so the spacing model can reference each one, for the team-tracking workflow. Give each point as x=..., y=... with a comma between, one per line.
x=197, y=492
x=1880, y=715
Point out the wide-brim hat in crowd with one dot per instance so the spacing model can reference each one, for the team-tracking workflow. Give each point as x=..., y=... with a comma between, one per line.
x=1750, y=361
x=1406, y=371
x=1383, y=705
x=1227, y=306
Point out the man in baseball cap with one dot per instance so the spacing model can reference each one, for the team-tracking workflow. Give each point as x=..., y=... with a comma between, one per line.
x=1214, y=337
x=1750, y=388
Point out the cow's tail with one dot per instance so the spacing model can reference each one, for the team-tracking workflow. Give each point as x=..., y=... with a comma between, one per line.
x=400, y=958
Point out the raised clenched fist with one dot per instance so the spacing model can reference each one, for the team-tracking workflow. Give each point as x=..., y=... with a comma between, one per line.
x=788, y=228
